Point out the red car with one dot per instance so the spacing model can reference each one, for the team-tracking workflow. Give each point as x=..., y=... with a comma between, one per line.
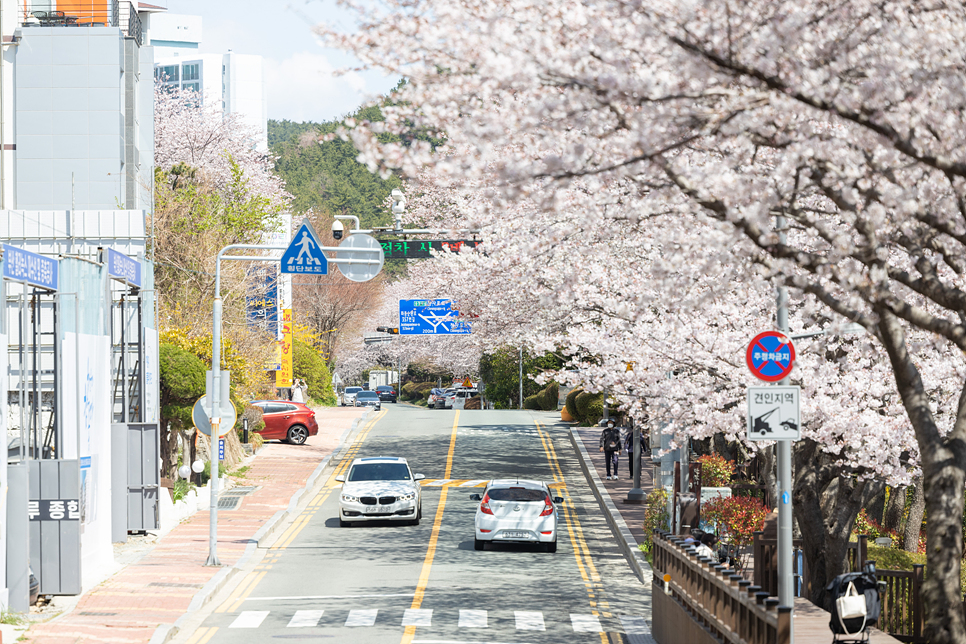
x=288, y=421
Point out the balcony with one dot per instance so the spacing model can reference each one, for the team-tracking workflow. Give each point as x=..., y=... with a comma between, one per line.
x=85, y=13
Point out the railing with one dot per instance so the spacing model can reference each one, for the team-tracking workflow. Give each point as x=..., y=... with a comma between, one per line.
x=690, y=590
x=765, y=555
x=128, y=20
x=85, y=13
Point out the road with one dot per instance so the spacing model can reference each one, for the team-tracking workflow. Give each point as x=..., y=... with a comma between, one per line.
x=426, y=584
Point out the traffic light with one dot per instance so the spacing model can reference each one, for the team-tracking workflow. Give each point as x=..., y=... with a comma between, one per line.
x=388, y=329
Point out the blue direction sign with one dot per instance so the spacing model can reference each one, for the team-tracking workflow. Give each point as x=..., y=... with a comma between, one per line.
x=431, y=317
x=123, y=268
x=770, y=356
x=304, y=254
x=23, y=266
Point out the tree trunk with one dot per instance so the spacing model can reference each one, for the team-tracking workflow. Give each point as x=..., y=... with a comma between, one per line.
x=876, y=507
x=826, y=499
x=943, y=462
x=910, y=542
x=895, y=508
x=769, y=475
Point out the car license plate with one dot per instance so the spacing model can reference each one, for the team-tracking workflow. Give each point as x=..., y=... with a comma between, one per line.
x=515, y=535
x=372, y=508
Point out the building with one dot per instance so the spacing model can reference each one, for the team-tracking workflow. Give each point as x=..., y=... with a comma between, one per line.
x=237, y=81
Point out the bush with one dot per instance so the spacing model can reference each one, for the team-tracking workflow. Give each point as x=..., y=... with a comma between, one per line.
x=738, y=517
x=656, y=516
x=590, y=408
x=571, y=404
x=254, y=415
x=532, y=402
x=474, y=403
x=716, y=471
x=309, y=366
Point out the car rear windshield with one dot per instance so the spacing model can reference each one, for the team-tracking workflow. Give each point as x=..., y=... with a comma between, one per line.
x=379, y=472
x=383, y=388
x=362, y=395
x=516, y=494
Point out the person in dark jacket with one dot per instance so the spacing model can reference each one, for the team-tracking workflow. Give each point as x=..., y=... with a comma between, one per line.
x=610, y=445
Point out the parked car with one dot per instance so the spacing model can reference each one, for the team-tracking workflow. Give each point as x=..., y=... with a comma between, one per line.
x=386, y=392
x=434, y=394
x=380, y=488
x=519, y=511
x=349, y=396
x=441, y=399
x=368, y=399
x=458, y=393
x=289, y=421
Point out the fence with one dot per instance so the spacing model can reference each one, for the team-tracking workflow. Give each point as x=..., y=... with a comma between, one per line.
x=85, y=13
x=697, y=601
x=765, y=554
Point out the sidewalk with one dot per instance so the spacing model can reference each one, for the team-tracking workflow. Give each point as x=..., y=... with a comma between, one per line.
x=811, y=623
x=170, y=579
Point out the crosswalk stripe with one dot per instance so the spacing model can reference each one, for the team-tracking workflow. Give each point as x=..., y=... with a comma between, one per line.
x=437, y=482
x=305, y=618
x=365, y=617
x=418, y=617
x=636, y=629
x=585, y=623
x=249, y=619
x=472, y=619
x=529, y=620
x=473, y=483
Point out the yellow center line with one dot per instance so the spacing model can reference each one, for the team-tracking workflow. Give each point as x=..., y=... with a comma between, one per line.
x=423, y=582
x=575, y=529
x=202, y=635
x=246, y=586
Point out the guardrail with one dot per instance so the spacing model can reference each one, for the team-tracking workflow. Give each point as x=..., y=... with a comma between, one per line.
x=698, y=601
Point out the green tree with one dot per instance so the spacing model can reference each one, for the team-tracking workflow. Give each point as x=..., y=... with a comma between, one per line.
x=182, y=383
x=309, y=366
x=500, y=371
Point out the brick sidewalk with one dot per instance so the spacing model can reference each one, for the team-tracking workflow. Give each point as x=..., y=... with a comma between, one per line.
x=158, y=588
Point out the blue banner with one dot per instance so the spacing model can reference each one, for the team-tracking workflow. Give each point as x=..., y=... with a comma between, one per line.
x=23, y=266
x=123, y=268
x=261, y=303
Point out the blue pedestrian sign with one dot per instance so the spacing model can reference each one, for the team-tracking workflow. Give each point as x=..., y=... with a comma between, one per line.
x=21, y=265
x=123, y=268
x=304, y=254
x=431, y=317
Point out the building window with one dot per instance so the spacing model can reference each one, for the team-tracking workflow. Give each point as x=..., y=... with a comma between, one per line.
x=191, y=72
x=167, y=74
x=195, y=87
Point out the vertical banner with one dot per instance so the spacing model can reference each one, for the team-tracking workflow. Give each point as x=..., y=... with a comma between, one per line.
x=152, y=380
x=283, y=377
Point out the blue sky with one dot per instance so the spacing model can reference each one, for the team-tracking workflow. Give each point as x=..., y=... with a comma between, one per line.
x=300, y=79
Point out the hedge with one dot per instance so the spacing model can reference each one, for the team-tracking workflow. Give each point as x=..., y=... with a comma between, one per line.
x=571, y=404
x=532, y=402
x=590, y=407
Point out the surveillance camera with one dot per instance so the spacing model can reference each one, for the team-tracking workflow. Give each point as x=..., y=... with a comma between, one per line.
x=337, y=229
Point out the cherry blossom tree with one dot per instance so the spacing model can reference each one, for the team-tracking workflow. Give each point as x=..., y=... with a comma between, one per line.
x=846, y=120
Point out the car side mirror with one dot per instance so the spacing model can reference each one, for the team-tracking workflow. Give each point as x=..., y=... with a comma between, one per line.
x=340, y=478
x=419, y=477
x=476, y=497
x=558, y=499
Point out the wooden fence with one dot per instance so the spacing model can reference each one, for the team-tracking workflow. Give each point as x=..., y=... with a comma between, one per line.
x=698, y=601
x=765, y=555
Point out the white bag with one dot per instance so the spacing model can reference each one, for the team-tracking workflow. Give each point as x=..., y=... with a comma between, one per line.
x=850, y=606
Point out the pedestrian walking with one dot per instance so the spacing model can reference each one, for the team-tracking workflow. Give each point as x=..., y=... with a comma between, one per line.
x=610, y=445
x=298, y=394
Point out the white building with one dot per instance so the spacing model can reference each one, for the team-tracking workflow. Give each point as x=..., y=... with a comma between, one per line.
x=237, y=80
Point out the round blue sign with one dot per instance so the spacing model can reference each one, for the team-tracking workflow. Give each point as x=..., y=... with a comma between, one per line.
x=771, y=356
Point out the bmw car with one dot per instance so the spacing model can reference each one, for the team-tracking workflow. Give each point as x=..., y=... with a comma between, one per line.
x=516, y=511
x=368, y=399
x=380, y=488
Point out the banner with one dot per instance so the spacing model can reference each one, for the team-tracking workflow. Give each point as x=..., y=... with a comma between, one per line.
x=283, y=377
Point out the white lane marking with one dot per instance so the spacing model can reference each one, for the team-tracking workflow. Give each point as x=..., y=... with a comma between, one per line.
x=362, y=617
x=474, y=483
x=529, y=621
x=249, y=619
x=418, y=617
x=585, y=623
x=305, y=618
x=288, y=597
x=636, y=629
x=472, y=618
x=438, y=482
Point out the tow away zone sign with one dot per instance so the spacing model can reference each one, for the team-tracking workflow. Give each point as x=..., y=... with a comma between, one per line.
x=774, y=413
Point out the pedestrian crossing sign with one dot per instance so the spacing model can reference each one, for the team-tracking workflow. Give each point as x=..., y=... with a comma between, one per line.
x=304, y=254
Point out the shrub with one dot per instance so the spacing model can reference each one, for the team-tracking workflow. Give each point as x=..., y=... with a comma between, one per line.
x=309, y=366
x=738, y=517
x=590, y=408
x=571, y=404
x=532, y=402
x=549, y=397
x=474, y=403
x=656, y=516
x=716, y=471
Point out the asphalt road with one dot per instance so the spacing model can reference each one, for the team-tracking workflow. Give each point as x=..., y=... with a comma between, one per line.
x=387, y=583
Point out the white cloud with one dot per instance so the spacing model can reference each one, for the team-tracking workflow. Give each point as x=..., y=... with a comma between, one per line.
x=304, y=87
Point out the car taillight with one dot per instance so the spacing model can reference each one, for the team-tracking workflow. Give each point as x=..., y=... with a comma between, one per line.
x=548, y=508
x=485, y=505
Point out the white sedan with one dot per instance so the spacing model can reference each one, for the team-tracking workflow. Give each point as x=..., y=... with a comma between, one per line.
x=513, y=510
x=380, y=488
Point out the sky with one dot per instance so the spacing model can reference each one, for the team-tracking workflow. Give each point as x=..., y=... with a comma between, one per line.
x=301, y=82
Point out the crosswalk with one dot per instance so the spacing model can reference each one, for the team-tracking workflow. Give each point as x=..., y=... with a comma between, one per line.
x=631, y=625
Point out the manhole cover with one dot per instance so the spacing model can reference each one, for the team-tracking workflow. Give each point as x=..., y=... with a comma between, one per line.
x=229, y=502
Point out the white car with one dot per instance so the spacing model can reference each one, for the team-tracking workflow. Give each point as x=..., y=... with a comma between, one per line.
x=513, y=510
x=380, y=488
x=349, y=396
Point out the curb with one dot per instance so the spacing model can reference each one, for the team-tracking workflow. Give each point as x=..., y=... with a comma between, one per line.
x=625, y=539
x=166, y=632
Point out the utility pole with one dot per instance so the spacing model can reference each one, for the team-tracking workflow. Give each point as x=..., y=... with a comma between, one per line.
x=783, y=447
x=521, y=377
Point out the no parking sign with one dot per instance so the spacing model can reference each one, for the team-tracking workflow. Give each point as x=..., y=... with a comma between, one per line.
x=770, y=356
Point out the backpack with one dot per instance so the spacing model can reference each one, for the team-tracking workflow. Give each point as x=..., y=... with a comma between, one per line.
x=612, y=440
